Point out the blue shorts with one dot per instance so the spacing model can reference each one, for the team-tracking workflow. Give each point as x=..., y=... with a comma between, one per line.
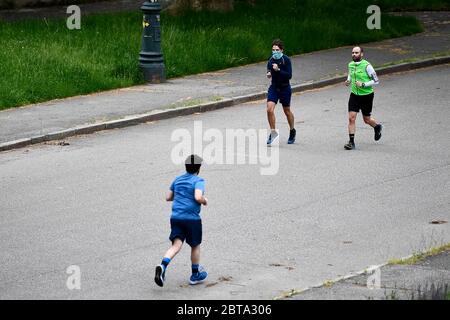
x=283, y=94
x=189, y=230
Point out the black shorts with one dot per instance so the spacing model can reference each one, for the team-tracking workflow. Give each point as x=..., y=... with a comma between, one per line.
x=282, y=94
x=363, y=103
x=189, y=230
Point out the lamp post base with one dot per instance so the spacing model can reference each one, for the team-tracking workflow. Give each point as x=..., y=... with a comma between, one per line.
x=151, y=60
x=154, y=73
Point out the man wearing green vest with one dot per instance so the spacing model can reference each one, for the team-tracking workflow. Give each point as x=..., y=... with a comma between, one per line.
x=362, y=78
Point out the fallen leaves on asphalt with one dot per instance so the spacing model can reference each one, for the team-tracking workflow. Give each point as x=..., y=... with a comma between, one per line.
x=57, y=143
x=438, y=222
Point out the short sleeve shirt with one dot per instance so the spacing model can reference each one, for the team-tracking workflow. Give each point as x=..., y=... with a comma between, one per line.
x=184, y=206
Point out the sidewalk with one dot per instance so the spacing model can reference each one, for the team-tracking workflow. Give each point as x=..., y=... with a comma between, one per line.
x=425, y=280
x=57, y=119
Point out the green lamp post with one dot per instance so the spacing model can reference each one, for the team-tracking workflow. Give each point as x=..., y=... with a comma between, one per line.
x=151, y=59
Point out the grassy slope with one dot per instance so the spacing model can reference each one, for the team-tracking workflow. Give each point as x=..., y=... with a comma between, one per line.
x=43, y=60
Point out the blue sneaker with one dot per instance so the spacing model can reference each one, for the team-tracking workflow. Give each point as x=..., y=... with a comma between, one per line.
x=160, y=275
x=272, y=137
x=291, y=139
x=198, y=277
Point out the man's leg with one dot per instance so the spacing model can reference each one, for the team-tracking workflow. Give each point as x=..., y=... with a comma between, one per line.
x=352, y=122
x=367, y=104
x=370, y=121
x=376, y=126
x=289, y=116
x=271, y=114
x=271, y=117
x=290, y=119
x=351, y=130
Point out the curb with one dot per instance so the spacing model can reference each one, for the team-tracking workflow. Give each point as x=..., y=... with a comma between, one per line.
x=366, y=271
x=156, y=115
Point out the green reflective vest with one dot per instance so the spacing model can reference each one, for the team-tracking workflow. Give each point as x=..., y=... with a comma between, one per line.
x=358, y=72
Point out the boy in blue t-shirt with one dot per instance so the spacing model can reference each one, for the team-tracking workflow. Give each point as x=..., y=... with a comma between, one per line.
x=186, y=192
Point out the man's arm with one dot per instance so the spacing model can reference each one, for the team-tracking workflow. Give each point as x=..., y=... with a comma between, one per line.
x=349, y=80
x=200, y=198
x=288, y=73
x=373, y=75
x=169, y=196
x=269, y=67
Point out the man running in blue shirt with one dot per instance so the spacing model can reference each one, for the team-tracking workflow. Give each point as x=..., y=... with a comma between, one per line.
x=279, y=68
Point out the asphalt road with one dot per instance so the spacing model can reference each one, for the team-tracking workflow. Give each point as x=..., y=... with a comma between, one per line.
x=98, y=203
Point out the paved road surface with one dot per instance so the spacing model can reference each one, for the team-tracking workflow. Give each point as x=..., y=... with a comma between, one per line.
x=98, y=203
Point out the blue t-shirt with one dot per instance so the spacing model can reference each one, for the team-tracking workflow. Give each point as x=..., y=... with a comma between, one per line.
x=184, y=206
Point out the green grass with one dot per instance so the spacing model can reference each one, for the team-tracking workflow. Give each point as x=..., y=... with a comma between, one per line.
x=420, y=256
x=43, y=60
x=244, y=36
